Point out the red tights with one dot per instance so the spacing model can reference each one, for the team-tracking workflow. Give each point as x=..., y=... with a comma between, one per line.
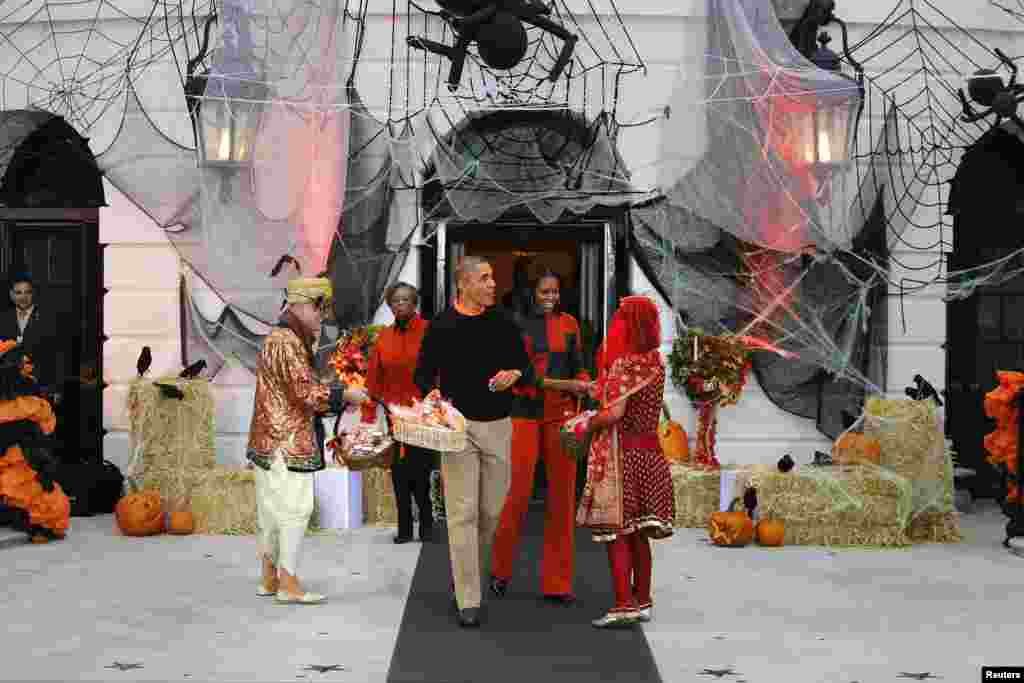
x=630, y=560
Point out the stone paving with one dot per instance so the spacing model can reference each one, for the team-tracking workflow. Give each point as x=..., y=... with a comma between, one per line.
x=98, y=606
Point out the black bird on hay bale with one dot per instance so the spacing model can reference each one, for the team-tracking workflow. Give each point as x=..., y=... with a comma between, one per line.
x=750, y=500
x=192, y=371
x=145, y=360
x=786, y=463
x=169, y=391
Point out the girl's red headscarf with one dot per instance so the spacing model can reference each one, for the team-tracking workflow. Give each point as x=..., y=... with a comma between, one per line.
x=635, y=328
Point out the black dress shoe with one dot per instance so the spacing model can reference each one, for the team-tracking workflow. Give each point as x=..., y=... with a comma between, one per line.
x=401, y=539
x=499, y=586
x=564, y=599
x=427, y=535
x=469, y=617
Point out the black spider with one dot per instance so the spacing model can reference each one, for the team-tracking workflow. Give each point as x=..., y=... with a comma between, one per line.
x=496, y=26
x=986, y=87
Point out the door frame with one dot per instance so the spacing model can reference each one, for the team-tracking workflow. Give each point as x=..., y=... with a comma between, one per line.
x=610, y=231
x=92, y=261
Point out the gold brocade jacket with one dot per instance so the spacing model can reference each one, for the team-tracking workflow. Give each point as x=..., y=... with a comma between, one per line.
x=288, y=397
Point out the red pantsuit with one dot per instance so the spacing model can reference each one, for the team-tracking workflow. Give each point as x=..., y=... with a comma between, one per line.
x=555, y=348
x=530, y=439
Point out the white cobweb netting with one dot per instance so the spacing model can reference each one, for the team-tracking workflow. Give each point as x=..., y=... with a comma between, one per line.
x=753, y=224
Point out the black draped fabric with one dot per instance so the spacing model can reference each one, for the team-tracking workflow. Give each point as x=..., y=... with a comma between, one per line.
x=705, y=287
x=45, y=163
x=553, y=163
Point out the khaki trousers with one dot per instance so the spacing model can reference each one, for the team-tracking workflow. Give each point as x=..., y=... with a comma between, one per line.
x=476, y=481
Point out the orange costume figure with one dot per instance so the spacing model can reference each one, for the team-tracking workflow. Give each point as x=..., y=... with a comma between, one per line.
x=556, y=351
x=389, y=379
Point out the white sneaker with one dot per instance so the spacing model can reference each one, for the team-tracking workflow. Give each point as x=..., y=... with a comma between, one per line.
x=283, y=598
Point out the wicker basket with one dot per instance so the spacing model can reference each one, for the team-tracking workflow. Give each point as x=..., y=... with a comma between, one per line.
x=571, y=444
x=432, y=438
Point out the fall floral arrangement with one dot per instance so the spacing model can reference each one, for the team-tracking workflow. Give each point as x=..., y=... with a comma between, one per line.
x=710, y=368
x=1001, y=404
x=351, y=353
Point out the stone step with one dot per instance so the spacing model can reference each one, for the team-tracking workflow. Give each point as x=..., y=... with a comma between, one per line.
x=9, y=537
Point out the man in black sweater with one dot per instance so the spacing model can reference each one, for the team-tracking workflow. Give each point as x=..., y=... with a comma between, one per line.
x=474, y=353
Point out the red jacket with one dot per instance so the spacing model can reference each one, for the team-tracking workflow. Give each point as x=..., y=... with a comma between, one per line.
x=392, y=365
x=559, y=355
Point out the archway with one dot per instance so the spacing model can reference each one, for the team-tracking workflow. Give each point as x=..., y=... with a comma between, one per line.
x=984, y=332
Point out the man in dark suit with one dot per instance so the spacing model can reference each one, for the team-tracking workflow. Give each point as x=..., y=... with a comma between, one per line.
x=35, y=332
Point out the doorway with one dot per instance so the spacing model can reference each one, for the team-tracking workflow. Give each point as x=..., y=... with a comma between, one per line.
x=62, y=257
x=589, y=254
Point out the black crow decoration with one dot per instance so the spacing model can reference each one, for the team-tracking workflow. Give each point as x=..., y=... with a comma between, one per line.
x=145, y=360
x=287, y=258
x=923, y=390
x=169, y=391
x=192, y=371
x=786, y=463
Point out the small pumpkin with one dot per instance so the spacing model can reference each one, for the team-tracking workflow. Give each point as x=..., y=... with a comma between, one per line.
x=674, y=441
x=140, y=514
x=181, y=523
x=733, y=528
x=854, y=448
x=771, y=532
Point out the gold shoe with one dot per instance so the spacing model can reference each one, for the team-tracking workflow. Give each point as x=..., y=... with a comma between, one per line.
x=645, y=614
x=618, y=619
x=283, y=598
x=264, y=592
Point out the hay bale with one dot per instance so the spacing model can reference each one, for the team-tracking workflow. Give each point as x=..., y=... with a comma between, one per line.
x=935, y=527
x=697, y=495
x=168, y=432
x=913, y=446
x=222, y=499
x=379, y=505
x=838, y=505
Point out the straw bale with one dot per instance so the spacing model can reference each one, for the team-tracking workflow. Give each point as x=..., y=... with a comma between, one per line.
x=910, y=434
x=697, y=494
x=168, y=432
x=222, y=499
x=838, y=505
x=935, y=527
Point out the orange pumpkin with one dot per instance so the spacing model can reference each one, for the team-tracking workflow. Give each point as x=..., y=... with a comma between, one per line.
x=771, y=532
x=181, y=523
x=732, y=528
x=140, y=514
x=19, y=485
x=853, y=448
x=673, y=439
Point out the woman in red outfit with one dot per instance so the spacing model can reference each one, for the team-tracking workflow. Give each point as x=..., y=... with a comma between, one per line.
x=628, y=497
x=556, y=351
x=389, y=379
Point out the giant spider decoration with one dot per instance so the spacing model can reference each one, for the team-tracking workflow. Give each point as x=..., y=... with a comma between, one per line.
x=496, y=26
x=986, y=88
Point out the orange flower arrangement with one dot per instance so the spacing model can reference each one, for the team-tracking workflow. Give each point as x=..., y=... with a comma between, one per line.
x=1001, y=405
x=349, y=359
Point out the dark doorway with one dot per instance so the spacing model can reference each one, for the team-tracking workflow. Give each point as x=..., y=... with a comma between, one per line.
x=591, y=259
x=985, y=331
x=63, y=259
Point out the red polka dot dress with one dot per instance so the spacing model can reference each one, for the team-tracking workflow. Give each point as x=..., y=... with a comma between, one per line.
x=648, y=498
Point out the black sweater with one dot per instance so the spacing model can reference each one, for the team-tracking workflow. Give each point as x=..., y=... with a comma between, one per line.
x=460, y=354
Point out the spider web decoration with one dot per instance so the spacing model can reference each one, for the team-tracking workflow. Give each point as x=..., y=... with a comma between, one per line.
x=513, y=138
x=76, y=58
x=749, y=240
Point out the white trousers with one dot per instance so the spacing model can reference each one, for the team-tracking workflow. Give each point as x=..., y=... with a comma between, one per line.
x=284, y=504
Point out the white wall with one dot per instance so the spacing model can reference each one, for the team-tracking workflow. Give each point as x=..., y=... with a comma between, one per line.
x=142, y=268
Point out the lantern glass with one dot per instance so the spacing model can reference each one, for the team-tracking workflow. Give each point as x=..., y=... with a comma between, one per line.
x=227, y=130
x=828, y=134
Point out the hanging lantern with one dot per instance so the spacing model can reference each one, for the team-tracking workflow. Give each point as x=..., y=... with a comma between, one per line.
x=829, y=134
x=225, y=102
